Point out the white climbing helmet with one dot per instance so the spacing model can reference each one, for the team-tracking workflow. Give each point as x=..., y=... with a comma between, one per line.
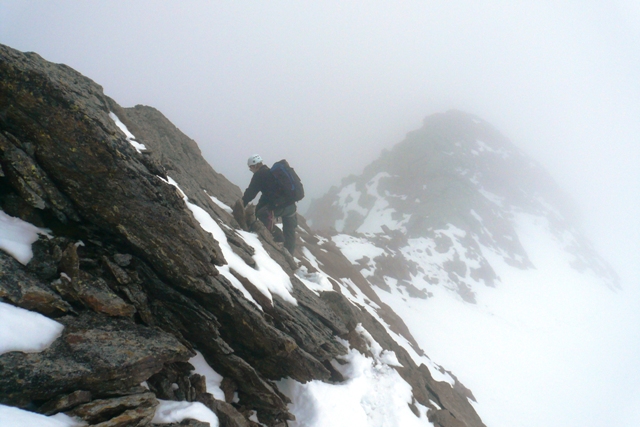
x=254, y=160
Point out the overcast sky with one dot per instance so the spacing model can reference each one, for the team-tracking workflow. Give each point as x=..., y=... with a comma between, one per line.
x=329, y=84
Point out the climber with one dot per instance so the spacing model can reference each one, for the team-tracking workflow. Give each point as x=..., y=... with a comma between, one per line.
x=272, y=204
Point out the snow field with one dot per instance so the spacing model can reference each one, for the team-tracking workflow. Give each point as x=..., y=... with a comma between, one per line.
x=544, y=341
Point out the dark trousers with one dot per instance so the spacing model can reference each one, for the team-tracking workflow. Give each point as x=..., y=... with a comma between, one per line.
x=289, y=223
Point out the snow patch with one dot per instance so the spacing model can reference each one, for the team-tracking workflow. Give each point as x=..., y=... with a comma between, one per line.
x=220, y=204
x=26, y=331
x=380, y=214
x=356, y=248
x=212, y=378
x=132, y=139
x=316, y=282
x=348, y=200
x=385, y=356
x=17, y=236
x=484, y=147
x=169, y=411
x=14, y=417
x=494, y=198
x=476, y=216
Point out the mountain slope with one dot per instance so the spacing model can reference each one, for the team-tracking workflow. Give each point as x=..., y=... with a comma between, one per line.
x=474, y=246
x=121, y=237
x=455, y=180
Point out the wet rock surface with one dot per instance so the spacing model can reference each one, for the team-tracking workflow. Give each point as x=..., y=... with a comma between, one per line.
x=134, y=278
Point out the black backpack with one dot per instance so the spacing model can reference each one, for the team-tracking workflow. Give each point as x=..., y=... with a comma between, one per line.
x=290, y=186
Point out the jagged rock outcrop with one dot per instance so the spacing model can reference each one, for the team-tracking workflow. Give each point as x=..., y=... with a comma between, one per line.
x=137, y=281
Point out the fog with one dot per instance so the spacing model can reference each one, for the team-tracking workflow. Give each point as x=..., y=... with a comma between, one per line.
x=329, y=84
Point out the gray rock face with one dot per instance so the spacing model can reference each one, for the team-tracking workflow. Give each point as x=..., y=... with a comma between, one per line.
x=132, y=275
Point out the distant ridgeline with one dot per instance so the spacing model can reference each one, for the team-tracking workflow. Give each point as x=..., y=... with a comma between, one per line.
x=437, y=206
x=167, y=303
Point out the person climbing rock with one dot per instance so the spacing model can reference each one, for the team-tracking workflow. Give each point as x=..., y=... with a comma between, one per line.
x=275, y=200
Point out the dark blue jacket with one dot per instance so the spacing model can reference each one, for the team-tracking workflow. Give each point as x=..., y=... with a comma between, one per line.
x=263, y=182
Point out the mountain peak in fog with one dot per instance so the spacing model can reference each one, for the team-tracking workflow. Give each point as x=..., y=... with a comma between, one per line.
x=460, y=183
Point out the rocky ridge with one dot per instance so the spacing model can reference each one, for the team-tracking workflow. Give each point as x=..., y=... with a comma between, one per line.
x=139, y=285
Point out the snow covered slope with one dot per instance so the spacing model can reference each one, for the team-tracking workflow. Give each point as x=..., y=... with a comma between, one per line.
x=473, y=245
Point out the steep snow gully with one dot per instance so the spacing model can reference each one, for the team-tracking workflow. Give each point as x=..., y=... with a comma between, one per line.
x=432, y=290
